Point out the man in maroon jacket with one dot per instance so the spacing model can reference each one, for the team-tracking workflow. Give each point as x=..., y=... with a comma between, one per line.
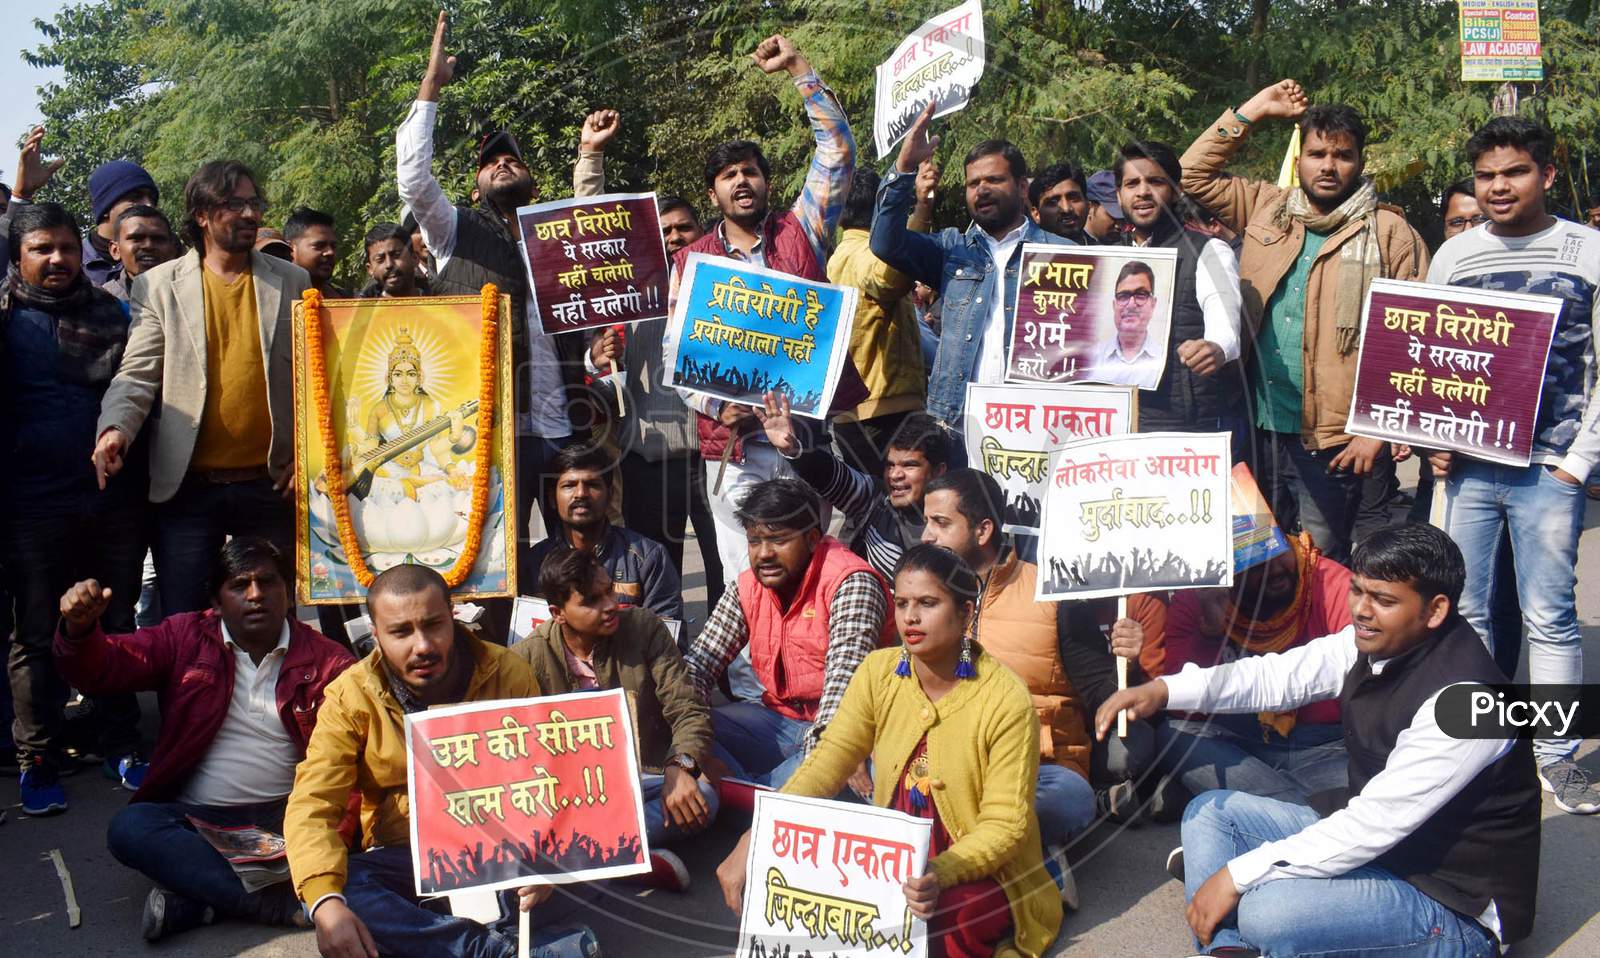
x=240, y=685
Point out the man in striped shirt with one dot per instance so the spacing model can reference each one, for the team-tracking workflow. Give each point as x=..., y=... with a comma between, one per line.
x=886, y=517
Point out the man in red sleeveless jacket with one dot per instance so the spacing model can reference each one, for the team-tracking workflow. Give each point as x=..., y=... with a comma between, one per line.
x=738, y=181
x=810, y=610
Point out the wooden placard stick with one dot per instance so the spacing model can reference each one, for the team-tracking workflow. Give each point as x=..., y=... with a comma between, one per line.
x=1122, y=668
x=74, y=916
x=616, y=384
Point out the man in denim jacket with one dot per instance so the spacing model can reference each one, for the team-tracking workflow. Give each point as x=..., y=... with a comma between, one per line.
x=962, y=266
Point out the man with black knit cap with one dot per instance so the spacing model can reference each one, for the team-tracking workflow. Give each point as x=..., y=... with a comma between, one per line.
x=113, y=187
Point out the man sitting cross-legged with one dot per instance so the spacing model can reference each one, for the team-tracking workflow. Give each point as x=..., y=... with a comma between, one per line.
x=592, y=642
x=810, y=611
x=240, y=686
x=1278, y=605
x=1435, y=844
x=363, y=901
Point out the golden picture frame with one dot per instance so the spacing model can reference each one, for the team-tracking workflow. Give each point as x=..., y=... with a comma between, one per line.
x=404, y=399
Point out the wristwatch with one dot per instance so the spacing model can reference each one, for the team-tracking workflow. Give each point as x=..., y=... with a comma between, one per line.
x=686, y=762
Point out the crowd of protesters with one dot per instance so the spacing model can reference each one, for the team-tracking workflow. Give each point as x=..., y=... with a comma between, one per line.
x=1287, y=721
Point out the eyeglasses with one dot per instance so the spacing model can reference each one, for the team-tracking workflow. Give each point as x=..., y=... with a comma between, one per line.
x=1462, y=222
x=1137, y=297
x=239, y=204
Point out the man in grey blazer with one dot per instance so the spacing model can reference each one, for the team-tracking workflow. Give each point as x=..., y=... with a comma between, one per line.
x=208, y=368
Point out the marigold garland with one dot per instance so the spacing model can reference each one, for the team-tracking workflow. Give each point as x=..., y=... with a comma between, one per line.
x=333, y=466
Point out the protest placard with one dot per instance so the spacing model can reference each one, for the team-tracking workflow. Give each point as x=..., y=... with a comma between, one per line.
x=1500, y=40
x=527, y=613
x=595, y=260
x=1092, y=314
x=1136, y=513
x=524, y=792
x=1256, y=536
x=739, y=331
x=1011, y=431
x=940, y=62
x=824, y=878
x=1447, y=367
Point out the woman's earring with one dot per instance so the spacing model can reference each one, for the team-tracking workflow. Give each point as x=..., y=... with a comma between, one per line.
x=904, y=668
x=964, y=669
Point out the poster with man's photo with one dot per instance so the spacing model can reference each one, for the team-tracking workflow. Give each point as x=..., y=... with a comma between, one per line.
x=1092, y=314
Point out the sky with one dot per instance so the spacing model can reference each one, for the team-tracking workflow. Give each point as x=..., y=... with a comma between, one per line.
x=19, y=99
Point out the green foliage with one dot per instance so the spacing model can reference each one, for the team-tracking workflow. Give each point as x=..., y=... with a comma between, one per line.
x=310, y=94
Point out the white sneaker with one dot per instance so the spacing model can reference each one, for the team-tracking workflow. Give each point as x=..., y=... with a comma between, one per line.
x=1569, y=783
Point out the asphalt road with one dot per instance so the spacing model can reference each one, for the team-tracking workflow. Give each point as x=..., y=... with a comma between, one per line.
x=1130, y=907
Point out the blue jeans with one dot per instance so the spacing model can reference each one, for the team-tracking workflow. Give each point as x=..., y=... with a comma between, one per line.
x=659, y=829
x=381, y=890
x=1228, y=752
x=192, y=525
x=1505, y=611
x=756, y=743
x=1064, y=802
x=1545, y=516
x=155, y=838
x=1367, y=911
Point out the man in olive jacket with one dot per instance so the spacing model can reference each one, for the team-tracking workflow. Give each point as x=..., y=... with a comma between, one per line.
x=592, y=643
x=1309, y=255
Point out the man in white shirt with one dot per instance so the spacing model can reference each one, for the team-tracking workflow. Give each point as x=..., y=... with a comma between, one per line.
x=1436, y=840
x=476, y=244
x=240, y=684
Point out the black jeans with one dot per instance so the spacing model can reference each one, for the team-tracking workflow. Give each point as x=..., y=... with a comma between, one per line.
x=45, y=556
x=1304, y=495
x=660, y=499
x=157, y=839
x=193, y=524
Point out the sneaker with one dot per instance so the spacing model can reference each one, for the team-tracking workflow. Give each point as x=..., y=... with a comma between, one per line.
x=1060, y=872
x=667, y=872
x=1570, y=785
x=128, y=769
x=168, y=913
x=41, y=789
x=1120, y=802
x=569, y=941
x=1175, y=863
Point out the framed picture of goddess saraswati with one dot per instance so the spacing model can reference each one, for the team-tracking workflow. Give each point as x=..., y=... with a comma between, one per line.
x=404, y=443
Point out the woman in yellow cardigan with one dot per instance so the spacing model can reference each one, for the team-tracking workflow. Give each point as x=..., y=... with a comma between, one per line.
x=953, y=736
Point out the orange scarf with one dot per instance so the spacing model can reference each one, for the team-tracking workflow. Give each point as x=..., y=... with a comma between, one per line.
x=1278, y=632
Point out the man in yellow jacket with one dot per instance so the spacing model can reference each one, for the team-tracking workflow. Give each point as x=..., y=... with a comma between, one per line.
x=885, y=343
x=362, y=901
x=1309, y=254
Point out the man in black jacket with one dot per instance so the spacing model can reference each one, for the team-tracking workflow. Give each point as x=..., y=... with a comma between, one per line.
x=1204, y=334
x=1436, y=838
x=477, y=244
